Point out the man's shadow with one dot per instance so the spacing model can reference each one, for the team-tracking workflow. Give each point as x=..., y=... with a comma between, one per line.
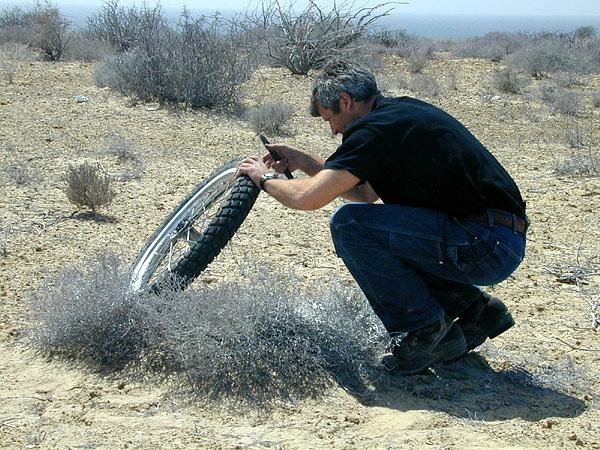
x=469, y=388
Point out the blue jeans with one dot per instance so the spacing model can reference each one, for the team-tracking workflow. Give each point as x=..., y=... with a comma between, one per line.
x=415, y=264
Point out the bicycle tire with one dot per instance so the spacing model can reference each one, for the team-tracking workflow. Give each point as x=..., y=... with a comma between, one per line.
x=236, y=197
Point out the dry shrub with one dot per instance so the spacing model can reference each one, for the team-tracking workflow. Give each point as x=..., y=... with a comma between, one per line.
x=12, y=56
x=87, y=185
x=21, y=174
x=494, y=46
x=253, y=342
x=302, y=40
x=270, y=118
x=82, y=48
x=426, y=85
x=596, y=99
x=582, y=161
x=576, y=137
x=200, y=62
x=418, y=59
x=509, y=81
x=125, y=153
x=560, y=99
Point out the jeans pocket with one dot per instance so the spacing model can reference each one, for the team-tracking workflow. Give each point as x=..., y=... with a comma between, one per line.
x=464, y=255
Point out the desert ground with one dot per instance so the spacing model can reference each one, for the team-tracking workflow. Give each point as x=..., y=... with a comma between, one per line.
x=55, y=406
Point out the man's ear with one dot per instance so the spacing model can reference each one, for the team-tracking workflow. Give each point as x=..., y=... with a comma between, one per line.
x=346, y=102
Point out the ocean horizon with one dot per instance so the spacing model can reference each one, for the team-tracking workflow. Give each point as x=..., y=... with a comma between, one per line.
x=438, y=26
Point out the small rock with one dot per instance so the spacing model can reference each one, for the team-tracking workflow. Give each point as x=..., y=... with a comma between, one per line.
x=549, y=423
x=81, y=99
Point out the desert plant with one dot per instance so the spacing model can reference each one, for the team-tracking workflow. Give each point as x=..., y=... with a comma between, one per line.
x=575, y=136
x=418, y=59
x=426, y=85
x=566, y=102
x=82, y=48
x=125, y=28
x=9, y=69
x=199, y=63
x=596, y=99
x=20, y=173
x=270, y=118
x=125, y=153
x=87, y=185
x=494, y=46
x=399, y=42
x=509, y=81
x=302, y=41
x=582, y=161
x=255, y=341
x=51, y=34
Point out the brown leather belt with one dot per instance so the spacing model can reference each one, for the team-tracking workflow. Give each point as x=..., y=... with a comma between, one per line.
x=498, y=217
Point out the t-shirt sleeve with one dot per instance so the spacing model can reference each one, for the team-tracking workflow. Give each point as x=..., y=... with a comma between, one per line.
x=360, y=154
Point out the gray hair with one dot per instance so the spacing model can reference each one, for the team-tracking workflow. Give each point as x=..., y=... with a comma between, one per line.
x=341, y=76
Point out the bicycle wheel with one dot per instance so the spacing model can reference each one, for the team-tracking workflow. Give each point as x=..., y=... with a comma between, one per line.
x=195, y=232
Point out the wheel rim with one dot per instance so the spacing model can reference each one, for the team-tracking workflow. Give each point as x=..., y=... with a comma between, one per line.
x=184, y=228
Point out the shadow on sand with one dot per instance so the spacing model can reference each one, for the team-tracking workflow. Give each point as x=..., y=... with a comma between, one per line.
x=472, y=389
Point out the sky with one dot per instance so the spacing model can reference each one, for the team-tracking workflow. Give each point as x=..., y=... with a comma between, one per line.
x=492, y=7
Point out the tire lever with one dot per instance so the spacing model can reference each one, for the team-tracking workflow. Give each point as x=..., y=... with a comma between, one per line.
x=275, y=155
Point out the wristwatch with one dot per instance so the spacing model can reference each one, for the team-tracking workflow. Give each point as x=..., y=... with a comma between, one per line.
x=265, y=178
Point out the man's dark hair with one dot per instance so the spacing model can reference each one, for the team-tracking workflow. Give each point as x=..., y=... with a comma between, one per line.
x=341, y=76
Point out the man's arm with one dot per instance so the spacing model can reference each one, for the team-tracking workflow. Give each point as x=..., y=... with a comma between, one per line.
x=301, y=193
x=294, y=159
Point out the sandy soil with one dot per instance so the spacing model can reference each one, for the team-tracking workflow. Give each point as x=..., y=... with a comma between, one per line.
x=51, y=406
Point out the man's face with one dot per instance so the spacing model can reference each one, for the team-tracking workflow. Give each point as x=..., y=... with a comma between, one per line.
x=338, y=122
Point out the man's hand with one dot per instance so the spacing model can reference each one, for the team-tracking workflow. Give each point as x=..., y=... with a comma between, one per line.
x=290, y=158
x=254, y=167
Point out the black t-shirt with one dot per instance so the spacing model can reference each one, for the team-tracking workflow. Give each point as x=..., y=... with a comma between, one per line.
x=415, y=154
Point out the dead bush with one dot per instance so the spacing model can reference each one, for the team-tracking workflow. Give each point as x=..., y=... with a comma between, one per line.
x=509, y=81
x=426, y=85
x=494, y=46
x=270, y=118
x=582, y=161
x=304, y=40
x=566, y=102
x=125, y=28
x=418, y=59
x=21, y=174
x=125, y=153
x=253, y=342
x=198, y=63
x=82, y=48
x=51, y=33
x=87, y=185
x=576, y=137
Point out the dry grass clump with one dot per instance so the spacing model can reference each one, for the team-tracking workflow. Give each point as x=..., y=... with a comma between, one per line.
x=509, y=81
x=125, y=153
x=576, y=137
x=418, y=59
x=426, y=85
x=253, y=342
x=582, y=161
x=87, y=185
x=560, y=100
x=21, y=174
x=270, y=118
